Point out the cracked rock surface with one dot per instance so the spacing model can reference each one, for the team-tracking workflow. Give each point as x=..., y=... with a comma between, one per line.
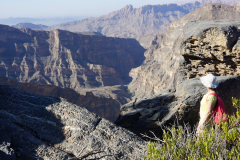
x=41, y=127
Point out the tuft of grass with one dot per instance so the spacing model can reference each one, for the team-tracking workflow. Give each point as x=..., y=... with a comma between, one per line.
x=180, y=142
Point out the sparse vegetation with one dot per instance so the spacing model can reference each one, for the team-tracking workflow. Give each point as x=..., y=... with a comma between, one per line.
x=131, y=93
x=220, y=142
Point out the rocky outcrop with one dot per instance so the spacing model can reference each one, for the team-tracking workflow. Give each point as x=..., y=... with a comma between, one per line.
x=164, y=61
x=41, y=127
x=210, y=47
x=107, y=108
x=171, y=106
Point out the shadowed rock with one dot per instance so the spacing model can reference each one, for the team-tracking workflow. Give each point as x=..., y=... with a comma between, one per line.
x=169, y=106
x=41, y=127
x=107, y=108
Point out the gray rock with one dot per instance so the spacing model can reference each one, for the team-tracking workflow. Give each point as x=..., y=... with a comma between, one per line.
x=41, y=127
x=170, y=106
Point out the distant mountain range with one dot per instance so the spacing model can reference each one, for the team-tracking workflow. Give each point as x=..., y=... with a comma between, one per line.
x=140, y=23
x=43, y=21
x=31, y=25
x=135, y=22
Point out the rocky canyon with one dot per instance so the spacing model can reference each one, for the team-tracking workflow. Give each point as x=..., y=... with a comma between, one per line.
x=51, y=80
x=170, y=53
x=167, y=86
x=70, y=60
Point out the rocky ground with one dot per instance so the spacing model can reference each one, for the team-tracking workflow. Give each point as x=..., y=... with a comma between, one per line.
x=41, y=127
x=101, y=104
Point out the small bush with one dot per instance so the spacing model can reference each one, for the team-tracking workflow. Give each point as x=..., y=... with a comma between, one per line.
x=220, y=142
x=131, y=93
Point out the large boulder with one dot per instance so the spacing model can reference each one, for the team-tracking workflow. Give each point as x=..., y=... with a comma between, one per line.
x=169, y=106
x=40, y=127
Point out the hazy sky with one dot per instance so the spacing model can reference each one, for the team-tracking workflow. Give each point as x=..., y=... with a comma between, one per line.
x=64, y=8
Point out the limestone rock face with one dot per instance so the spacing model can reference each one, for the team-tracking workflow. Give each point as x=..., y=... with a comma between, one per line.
x=210, y=47
x=171, y=53
x=182, y=105
x=67, y=59
x=41, y=127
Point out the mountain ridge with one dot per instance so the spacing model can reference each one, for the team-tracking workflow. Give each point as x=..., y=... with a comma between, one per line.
x=134, y=22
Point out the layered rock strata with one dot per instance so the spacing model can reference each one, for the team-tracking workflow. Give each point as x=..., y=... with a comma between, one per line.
x=71, y=60
x=41, y=127
x=175, y=49
x=180, y=106
x=210, y=47
x=67, y=59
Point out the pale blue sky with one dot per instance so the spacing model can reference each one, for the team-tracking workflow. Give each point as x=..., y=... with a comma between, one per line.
x=65, y=8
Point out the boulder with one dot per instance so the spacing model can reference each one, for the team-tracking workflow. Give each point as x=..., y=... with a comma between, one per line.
x=40, y=127
x=174, y=106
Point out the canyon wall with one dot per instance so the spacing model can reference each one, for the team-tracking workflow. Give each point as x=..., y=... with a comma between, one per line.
x=164, y=61
x=67, y=59
x=72, y=60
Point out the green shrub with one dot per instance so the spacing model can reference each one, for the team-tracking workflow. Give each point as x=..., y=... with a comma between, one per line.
x=220, y=142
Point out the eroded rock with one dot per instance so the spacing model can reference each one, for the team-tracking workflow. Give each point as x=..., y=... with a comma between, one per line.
x=209, y=47
x=35, y=126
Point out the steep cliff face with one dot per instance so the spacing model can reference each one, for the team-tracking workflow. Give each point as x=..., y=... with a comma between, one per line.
x=161, y=66
x=71, y=60
x=67, y=59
